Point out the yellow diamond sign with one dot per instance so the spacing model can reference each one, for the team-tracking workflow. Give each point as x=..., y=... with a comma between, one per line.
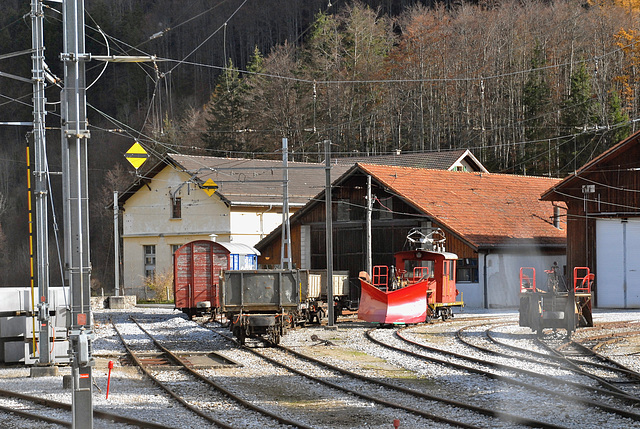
x=136, y=155
x=209, y=187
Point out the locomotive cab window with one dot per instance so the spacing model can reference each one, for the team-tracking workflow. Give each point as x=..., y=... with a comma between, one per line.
x=419, y=269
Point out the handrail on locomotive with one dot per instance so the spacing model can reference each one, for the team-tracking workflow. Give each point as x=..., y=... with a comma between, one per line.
x=556, y=305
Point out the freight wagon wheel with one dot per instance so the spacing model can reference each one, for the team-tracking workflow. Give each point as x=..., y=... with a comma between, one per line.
x=273, y=335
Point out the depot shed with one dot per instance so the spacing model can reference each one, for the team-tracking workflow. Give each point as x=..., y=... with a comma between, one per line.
x=603, y=222
x=196, y=271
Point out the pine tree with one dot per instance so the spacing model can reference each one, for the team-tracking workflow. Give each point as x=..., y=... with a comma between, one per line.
x=580, y=118
x=224, y=112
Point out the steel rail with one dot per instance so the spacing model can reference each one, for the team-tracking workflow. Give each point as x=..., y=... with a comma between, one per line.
x=67, y=407
x=171, y=393
x=611, y=390
x=575, y=365
x=529, y=386
x=611, y=364
x=221, y=388
x=487, y=412
x=344, y=389
x=35, y=416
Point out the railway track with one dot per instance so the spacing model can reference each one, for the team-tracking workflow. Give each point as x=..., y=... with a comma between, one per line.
x=198, y=393
x=545, y=357
x=34, y=408
x=579, y=359
x=551, y=383
x=389, y=394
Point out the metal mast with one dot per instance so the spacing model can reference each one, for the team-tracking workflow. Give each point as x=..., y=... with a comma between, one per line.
x=75, y=136
x=329, y=234
x=40, y=177
x=285, y=255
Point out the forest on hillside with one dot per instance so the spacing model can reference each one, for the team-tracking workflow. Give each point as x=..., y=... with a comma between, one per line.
x=531, y=87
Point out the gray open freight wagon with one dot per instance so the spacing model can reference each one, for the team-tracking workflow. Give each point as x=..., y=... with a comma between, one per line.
x=260, y=303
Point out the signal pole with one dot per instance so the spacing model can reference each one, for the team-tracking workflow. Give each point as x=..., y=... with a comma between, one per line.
x=40, y=178
x=75, y=137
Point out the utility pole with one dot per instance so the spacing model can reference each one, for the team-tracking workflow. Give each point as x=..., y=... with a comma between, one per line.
x=40, y=177
x=75, y=137
x=285, y=255
x=329, y=228
x=369, y=263
x=116, y=244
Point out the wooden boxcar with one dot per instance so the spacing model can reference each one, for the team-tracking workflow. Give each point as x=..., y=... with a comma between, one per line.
x=196, y=272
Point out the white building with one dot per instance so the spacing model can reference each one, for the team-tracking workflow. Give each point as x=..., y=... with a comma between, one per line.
x=173, y=204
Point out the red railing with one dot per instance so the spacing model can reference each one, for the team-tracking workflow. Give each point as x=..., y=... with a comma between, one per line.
x=380, y=275
x=527, y=279
x=582, y=280
x=419, y=274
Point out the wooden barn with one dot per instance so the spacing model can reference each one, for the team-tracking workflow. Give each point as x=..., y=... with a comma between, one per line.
x=603, y=222
x=494, y=223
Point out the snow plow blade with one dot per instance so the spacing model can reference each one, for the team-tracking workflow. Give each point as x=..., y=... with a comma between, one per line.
x=405, y=305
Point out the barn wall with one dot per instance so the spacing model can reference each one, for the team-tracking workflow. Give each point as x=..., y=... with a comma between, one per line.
x=607, y=190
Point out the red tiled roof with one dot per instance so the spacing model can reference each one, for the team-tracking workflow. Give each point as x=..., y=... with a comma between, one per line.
x=484, y=209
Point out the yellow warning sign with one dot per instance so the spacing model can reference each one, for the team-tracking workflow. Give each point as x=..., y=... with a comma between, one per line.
x=209, y=187
x=136, y=155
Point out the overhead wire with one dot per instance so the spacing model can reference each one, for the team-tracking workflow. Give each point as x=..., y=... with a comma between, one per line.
x=210, y=36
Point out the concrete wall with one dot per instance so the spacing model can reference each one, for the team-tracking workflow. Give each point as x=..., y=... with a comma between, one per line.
x=251, y=224
x=147, y=220
x=472, y=294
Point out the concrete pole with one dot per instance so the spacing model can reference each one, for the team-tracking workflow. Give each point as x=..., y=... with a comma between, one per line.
x=285, y=246
x=329, y=228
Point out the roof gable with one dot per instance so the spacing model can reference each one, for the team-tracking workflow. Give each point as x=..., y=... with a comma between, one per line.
x=621, y=159
x=484, y=210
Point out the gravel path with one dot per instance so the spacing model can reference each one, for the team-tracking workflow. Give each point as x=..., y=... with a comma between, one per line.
x=132, y=394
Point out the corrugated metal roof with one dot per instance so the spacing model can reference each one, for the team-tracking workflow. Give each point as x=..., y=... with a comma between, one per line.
x=444, y=160
x=258, y=181
x=245, y=181
x=239, y=248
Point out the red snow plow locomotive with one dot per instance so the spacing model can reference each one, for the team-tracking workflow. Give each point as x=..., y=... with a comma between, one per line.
x=421, y=284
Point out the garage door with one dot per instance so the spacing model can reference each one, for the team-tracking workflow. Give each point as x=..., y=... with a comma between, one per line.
x=618, y=263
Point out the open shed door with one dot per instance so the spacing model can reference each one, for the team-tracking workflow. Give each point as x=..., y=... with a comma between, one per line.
x=618, y=263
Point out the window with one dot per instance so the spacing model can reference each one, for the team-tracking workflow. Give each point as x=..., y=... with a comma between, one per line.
x=174, y=248
x=467, y=270
x=176, y=208
x=150, y=261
